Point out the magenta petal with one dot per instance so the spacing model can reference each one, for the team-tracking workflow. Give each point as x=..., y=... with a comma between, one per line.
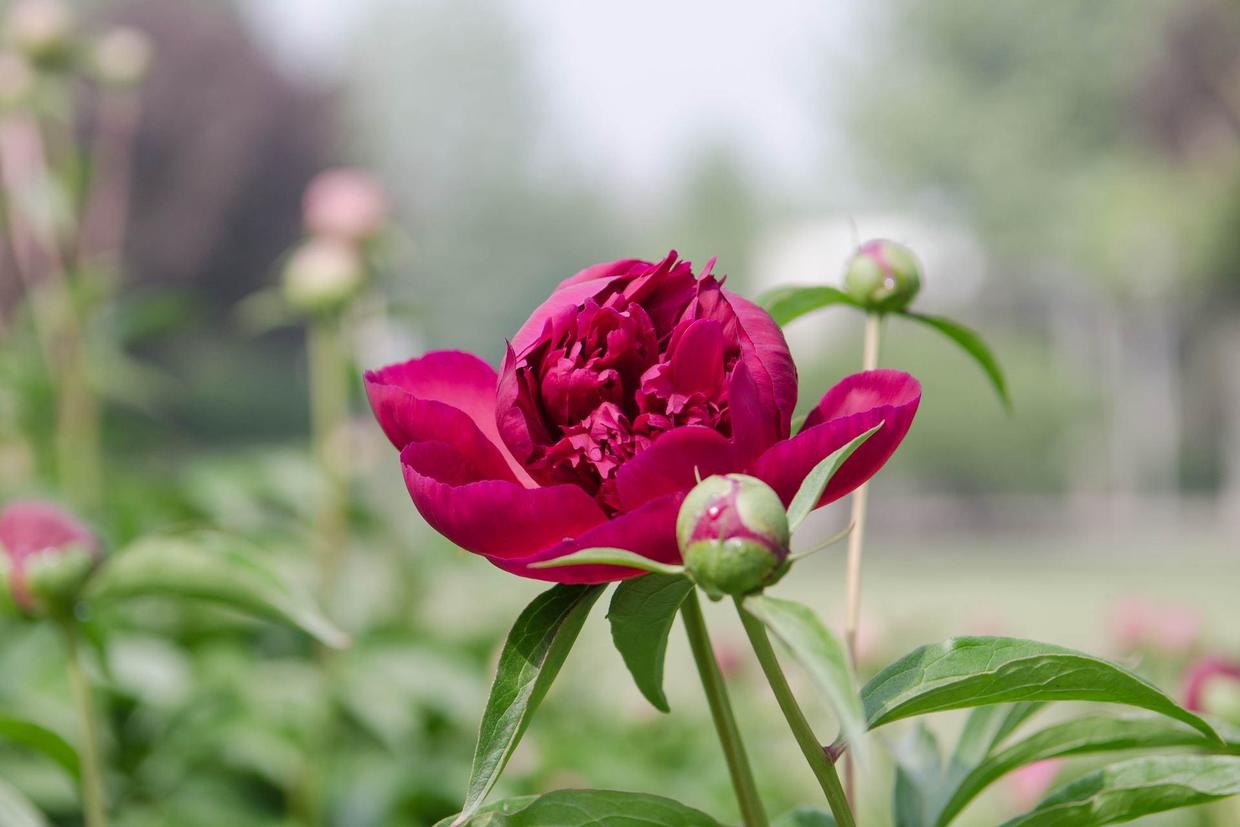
x=649, y=531
x=565, y=300
x=768, y=357
x=673, y=463
x=29, y=527
x=852, y=407
x=494, y=517
x=755, y=426
x=607, y=270
x=697, y=361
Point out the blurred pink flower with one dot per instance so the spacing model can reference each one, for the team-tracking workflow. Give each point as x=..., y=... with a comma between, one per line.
x=346, y=204
x=1201, y=674
x=1027, y=785
x=1137, y=623
x=33, y=532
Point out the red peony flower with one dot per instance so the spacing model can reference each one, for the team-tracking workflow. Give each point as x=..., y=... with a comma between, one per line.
x=45, y=551
x=631, y=380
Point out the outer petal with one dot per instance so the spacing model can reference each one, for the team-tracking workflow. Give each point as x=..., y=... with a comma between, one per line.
x=672, y=464
x=770, y=357
x=449, y=377
x=494, y=517
x=28, y=527
x=849, y=409
x=649, y=531
x=608, y=270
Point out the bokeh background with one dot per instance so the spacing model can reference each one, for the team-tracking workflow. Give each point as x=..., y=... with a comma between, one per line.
x=1069, y=174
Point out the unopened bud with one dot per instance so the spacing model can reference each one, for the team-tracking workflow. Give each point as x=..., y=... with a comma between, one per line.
x=122, y=56
x=41, y=29
x=347, y=204
x=883, y=276
x=323, y=274
x=46, y=557
x=733, y=535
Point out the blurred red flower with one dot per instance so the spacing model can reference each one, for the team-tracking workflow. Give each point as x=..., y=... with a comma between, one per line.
x=34, y=532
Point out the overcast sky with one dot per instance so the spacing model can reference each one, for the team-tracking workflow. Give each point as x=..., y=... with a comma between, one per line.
x=753, y=78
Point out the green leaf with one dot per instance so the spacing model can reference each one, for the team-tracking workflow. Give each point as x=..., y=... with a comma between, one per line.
x=16, y=810
x=971, y=343
x=1128, y=790
x=579, y=808
x=816, y=481
x=533, y=654
x=1077, y=737
x=983, y=730
x=609, y=557
x=788, y=303
x=212, y=567
x=38, y=737
x=804, y=817
x=978, y=671
x=919, y=776
x=642, y=612
x=821, y=654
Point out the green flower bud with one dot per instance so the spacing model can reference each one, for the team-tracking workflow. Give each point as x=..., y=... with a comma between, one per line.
x=883, y=276
x=323, y=275
x=42, y=30
x=733, y=535
x=122, y=57
x=46, y=557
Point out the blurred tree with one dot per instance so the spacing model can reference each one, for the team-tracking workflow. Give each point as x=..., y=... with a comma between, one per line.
x=448, y=108
x=1059, y=131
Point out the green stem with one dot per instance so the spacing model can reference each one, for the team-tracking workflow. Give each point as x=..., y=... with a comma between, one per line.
x=329, y=412
x=752, y=814
x=93, y=802
x=856, y=540
x=810, y=746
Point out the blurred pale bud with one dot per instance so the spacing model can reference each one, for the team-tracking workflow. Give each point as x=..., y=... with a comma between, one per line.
x=323, y=274
x=1027, y=785
x=348, y=204
x=41, y=29
x=1203, y=676
x=883, y=276
x=46, y=556
x=122, y=56
x=16, y=80
x=733, y=535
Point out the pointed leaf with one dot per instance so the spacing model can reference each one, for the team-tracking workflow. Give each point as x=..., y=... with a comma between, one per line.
x=1131, y=789
x=212, y=567
x=16, y=810
x=609, y=557
x=1078, y=737
x=788, y=303
x=40, y=738
x=816, y=481
x=642, y=612
x=919, y=775
x=821, y=654
x=971, y=343
x=586, y=808
x=976, y=671
x=533, y=654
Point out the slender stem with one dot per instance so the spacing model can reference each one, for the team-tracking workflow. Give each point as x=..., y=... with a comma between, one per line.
x=94, y=804
x=856, y=540
x=811, y=747
x=329, y=412
x=752, y=814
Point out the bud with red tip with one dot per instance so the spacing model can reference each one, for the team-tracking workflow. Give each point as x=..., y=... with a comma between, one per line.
x=733, y=535
x=346, y=204
x=883, y=276
x=46, y=556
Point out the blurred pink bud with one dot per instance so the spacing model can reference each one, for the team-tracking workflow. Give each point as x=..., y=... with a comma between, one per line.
x=1131, y=621
x=1027, y=785
x=42, y=29
x=323, y=274
x=122, y=56
x=1136, y=624
x=1201, y=674
x=1178, y=629
x=348, y=204
x=44, y=553
x=730, y=659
